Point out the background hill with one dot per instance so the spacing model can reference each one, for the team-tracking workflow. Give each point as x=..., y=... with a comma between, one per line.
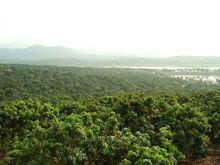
x=63, y=56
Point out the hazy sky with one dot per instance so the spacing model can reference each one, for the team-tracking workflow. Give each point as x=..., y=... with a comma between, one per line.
x=167, y=27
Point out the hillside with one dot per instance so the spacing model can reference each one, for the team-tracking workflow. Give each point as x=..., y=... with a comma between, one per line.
x=69, y=115
x=22, y=81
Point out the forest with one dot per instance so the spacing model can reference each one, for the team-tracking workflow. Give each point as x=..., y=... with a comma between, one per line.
x=67, y=115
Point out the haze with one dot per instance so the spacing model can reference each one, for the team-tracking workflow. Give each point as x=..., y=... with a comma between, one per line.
x=162, y=28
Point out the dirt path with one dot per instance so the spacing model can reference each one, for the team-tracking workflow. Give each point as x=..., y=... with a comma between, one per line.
x=1, y=155
x=213, y=158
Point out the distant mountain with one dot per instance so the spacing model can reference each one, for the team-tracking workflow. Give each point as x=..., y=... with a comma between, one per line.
x=63, y=56
x=38, y=52
x=16, y=44
x=177, y=61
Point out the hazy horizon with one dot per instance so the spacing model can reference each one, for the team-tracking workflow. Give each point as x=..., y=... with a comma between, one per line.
x=152, y=28
x=93, y=51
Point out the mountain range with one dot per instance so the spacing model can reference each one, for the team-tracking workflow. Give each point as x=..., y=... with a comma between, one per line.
x=63, y=56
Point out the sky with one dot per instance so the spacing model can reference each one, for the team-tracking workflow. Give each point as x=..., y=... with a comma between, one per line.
x=157, y=27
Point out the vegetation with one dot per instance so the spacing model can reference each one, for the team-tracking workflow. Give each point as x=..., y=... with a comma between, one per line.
x=23, y=82
x=53, y=115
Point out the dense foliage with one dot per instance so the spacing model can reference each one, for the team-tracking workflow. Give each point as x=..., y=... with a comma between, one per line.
x=22, y=82
x=123, y=128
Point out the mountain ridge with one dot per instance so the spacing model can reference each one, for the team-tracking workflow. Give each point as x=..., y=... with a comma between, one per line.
x=59, y=55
